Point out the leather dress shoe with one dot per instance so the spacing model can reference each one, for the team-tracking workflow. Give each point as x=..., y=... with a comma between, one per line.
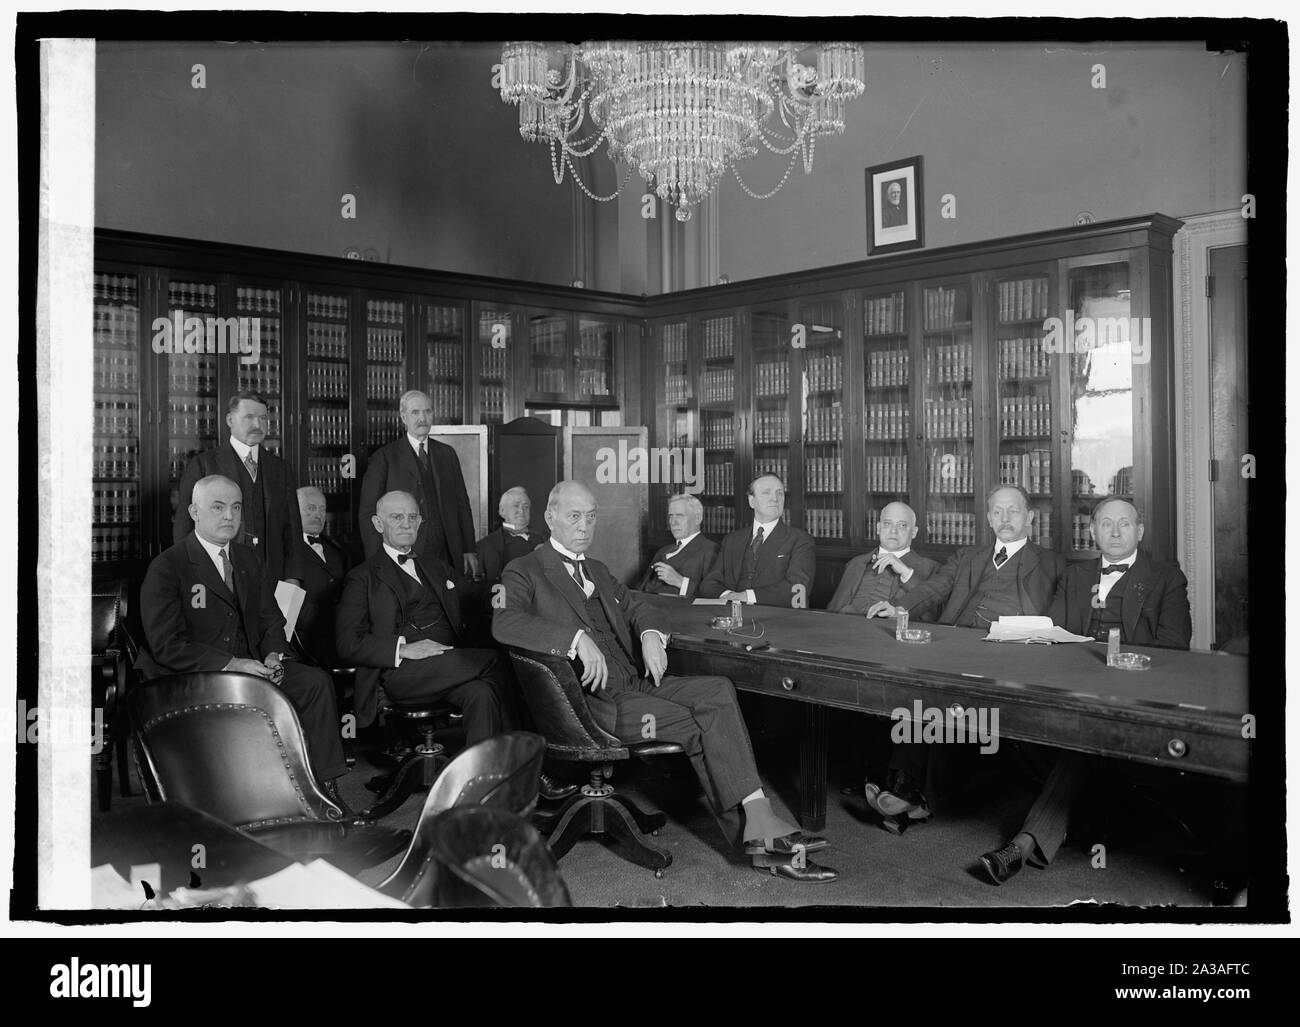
x=786, y=845
x=808, y=873
x=552, y=790
x=1003, y=864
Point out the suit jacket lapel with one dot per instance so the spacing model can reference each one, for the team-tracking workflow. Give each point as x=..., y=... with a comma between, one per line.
x=1136, y=593
x=207, y=570
x=439, y=585
x=613, y=614
x=563, y=581
x=767, y=555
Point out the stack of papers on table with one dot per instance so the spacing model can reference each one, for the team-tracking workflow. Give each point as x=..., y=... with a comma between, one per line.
x=318, y=885
x=1030, y=629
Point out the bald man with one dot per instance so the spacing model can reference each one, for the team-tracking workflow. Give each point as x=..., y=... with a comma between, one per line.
x=400, y=622
x=430, y=471
x=872, y=582
x=208, y=604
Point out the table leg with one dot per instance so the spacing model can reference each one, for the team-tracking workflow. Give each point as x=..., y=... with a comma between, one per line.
x=812, y=768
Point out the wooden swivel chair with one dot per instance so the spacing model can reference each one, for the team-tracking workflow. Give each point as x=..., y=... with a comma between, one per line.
x=231, y=746
x=555, y=698
x=489, y=856
x=501, y=772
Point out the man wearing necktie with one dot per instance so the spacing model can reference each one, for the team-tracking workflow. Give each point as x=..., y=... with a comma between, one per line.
x=271, y=527
x=1123, y=588
x=678, y=568
x=558, y=601
x=208, y=604
x=430, y=471
x=767, y=561
x=324, y=563
x=872, y=582
x=513, y=539
x=399, y=622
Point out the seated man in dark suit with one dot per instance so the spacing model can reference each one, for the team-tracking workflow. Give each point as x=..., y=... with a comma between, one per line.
x=1124, y=589
x=324, y=565
x=558, y=601
x=1009, y=576
x=765, y=562
x=677, y=569
x=399, y=618
x=209, y=605
x=872, y=582
x=514, y=537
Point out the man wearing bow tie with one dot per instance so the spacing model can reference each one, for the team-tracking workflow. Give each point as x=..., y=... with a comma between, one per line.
x=767, y=561
x=1124, y=589
x=873, y=581
x=677, y=569
x=399, y=621
x=514, y=538
x=558, y=601
x=324, y=565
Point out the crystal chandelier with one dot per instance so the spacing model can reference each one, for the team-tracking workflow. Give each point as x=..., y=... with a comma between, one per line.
x=681, y=114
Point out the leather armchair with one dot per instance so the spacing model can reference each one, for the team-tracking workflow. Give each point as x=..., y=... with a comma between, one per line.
x=488, y=856
x=559, y=708
x=111, y=659
x=231, y=746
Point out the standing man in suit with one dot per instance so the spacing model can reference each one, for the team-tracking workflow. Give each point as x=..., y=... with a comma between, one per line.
x=767, y=562
x=873, y=581
x=270, y=526
x=1124, y=589
x=399, y=618
x=513, y=539
x=1009, y=576
x=430, y=471
x=324, y=565
x=558, y=601
x=209, y=605
x=677, y=569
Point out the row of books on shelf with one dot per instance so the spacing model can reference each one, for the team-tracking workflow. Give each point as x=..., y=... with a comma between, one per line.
x=491, y=402
x=595, y=340
x=194, y=420
x=771, y=427
x=1080, y=533
x=116, y=504
x=328, y=426
x=675, y=343
x=719, y=337
x=112, y=542
x=335, y=307
x=823, y=474
x=443, y=321
x=824, y=523
x=886, y=474
x=772, y=379
x=327, y=381
x=385, y=345
x=1025, y=417
x=940, y=308
x=385, y=312
x=720, y=479
x=116, y=326
x=385, y=383
x=949, y=363
x=382, y=426
x=1122, y=483
x=718, y=520
x=117, y=369
x=825, y=424
x=888, y=368
x=677, y=389
x=326, y=473
x=550, y=379
x=327, y=341
x=116, y=288
x=445, y=361
x=178, y=456
x=718, y=385
x=191, y=374
x=264, y=379
x=1032, y=471
x=116, y=460
x=949, y=418
x=257, y=301
x=191, y=296
x=1022, y=299
x=593, y=381
x=951, y=474
x=778, y=465
x=548, y=336
x=888, y=421
x=447, y=402
x=1023, y=358
x=492, y=362
x=720, y=432
x=825, y=373
x=885, y=315
x=947, y=528
x=116, y=417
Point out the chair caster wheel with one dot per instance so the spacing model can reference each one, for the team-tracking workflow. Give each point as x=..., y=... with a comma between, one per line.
x=659, y=873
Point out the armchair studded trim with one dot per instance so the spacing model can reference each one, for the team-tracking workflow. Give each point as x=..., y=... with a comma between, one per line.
x=559, y=707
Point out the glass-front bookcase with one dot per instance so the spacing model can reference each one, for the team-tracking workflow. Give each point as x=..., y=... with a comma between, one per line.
x=718, y=422
x=948, y=415
x=887, y=402
x=820, y=399
x=116, y=518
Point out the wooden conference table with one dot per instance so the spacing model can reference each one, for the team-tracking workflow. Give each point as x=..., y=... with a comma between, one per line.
x=1184, y=712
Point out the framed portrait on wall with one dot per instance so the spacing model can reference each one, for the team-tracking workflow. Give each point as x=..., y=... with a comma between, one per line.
x=895, y=215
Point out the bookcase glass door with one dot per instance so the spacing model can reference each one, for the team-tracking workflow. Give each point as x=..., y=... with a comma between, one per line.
x=116, y=518
x=947, y=405
x=443, y=327
x=548, y=351
x=1024, y=394
x=887, y=417
x=593, y=360
x=1099, y=343
x=194, y=420
x=769, y=337
x=329, y=422
x=673, y=410
x=495, y=342
x=821, y=325
x=263, y=309
x=718, y=421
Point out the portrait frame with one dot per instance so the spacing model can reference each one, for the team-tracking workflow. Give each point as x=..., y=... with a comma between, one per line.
x=888, y=229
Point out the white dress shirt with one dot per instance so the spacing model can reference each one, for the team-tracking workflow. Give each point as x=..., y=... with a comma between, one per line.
x=1012, y=548
x=407, y=568
x=214, y=554
x=768, y=528
x=316, y=547
x=245, y=451
x=1108, y=580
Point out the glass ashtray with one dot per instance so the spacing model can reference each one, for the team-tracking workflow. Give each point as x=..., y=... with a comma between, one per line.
x=913, y=636
x=722, y=623
x=1132, y=661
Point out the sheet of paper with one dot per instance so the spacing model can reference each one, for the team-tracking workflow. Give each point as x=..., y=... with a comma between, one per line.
x=110, y=890
x=1030, y=629
x=318, y=885
x=289, y=597
x=710, y=602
